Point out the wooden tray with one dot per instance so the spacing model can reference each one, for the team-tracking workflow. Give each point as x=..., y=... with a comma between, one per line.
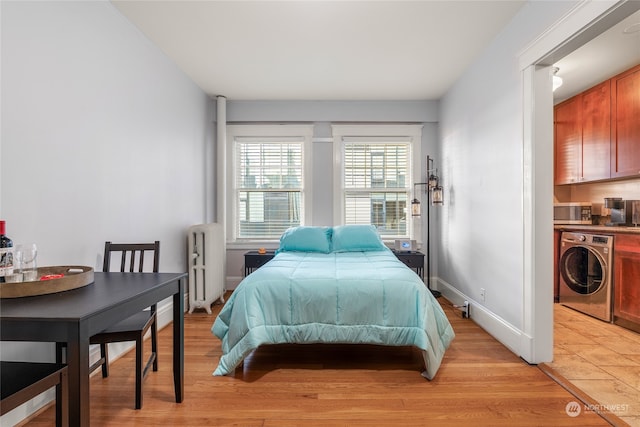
x=75, y=276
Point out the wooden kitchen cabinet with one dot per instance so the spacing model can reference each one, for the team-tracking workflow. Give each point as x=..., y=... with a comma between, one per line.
x=625, y=124
x=568, y=140
x=582, y=127
x=596, y=132
x=626, y=306
x=557, y=234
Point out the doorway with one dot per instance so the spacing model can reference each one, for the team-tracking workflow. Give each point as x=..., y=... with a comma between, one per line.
x=583, y=24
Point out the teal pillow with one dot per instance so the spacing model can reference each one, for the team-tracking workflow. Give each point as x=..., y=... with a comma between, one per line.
x=356, y=238
x=306, y=239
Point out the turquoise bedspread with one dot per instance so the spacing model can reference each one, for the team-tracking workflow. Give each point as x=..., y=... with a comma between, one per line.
x=352, y=297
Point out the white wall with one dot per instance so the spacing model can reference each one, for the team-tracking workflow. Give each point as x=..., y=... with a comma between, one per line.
x=103, y=138
x=481, y=131
x=322, y=114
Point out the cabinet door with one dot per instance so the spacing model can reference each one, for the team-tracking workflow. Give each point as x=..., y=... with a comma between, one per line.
x=568, y=140
x=626, y=291
x=625, y=129
x=596, y=132
x=556, y=273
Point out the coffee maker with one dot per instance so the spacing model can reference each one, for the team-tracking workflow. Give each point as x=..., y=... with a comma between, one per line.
x=623, y=212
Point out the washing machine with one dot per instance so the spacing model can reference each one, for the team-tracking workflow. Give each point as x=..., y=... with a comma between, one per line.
x=586, y=273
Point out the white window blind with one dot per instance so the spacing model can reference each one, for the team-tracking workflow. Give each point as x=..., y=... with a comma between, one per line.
x=376, y=190
x=269, y=180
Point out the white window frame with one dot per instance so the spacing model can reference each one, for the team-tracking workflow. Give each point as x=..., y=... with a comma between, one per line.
x=235, y=132
x=401, y=133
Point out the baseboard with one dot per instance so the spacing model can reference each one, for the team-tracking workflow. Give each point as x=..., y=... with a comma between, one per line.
x=507, y=334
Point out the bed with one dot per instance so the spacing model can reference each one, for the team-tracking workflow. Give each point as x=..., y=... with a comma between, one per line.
x=332, y=285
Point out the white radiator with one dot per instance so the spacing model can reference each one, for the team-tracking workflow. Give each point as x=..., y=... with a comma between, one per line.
x=206, y=270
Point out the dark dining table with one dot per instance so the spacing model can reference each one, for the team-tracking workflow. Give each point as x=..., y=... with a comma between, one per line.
x=73, y=316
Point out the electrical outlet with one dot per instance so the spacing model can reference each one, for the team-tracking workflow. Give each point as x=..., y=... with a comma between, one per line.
x=482, y=295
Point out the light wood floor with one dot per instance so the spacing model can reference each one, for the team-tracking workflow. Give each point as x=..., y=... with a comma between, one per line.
x=480, y=383
x=601, y=359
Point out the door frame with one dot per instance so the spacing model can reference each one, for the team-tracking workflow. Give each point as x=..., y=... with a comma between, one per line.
x=581, y=24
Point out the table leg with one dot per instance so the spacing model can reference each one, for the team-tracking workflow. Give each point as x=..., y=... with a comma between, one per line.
x=62, y=399
x=178, y=341
x=78, y=370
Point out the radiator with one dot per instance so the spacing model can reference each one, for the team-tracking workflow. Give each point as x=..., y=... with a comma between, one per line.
x=206, y=270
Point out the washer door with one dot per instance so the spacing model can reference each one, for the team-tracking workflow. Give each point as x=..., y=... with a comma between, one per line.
x=582, y=270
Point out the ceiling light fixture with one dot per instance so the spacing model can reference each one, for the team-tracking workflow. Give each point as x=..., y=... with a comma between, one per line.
x=557, y=81
x=631, y=29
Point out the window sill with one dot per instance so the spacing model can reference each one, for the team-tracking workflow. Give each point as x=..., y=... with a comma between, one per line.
x=274, y=244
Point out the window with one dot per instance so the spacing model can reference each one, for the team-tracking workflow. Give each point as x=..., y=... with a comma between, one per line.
x=269, y=179
x=375, y=190
x=375, y=176
x=268, y=186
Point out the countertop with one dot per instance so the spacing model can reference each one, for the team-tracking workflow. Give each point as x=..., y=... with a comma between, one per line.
x=603, y=229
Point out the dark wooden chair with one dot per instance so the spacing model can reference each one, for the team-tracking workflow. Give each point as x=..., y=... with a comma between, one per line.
x=135, y=327
x=22, y=381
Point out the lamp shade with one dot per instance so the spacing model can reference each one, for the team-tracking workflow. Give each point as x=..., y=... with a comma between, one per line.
x=415, y=207
x=433, y=181
x=437, y=196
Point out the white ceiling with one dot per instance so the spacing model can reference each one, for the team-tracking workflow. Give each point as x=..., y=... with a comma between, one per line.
x=322, y=50
x=351, y=50
x=612, y=52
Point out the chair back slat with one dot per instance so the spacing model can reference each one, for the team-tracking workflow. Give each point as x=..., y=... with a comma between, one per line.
x=123, y=261
x=132, y=254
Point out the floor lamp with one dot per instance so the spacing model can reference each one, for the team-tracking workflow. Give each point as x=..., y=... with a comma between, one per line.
x=434, y=197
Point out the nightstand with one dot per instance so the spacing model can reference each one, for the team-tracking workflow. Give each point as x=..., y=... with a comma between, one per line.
x=413, y=260
x=253, y=260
